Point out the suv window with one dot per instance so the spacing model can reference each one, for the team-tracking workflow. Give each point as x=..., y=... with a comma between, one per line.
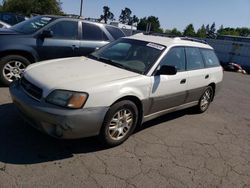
x=210, y=58
x=65, y=30
x=194, y=58
x=175, y=57
x=92, y=32
x=115, y=32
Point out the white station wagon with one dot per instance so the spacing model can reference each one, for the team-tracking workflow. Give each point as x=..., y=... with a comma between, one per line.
x=118, y=87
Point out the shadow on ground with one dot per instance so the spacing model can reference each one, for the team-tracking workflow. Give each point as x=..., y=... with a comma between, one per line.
x=22, y=144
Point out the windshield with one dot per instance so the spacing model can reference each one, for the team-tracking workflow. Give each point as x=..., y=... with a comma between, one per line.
x=32, y=25
x=134, y=55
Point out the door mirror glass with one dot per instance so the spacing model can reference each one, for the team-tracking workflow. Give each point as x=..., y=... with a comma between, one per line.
x=166, y=70
x=46, y=34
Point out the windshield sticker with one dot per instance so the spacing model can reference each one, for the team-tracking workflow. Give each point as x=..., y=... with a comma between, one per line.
x=46, y=18
x=156, y=46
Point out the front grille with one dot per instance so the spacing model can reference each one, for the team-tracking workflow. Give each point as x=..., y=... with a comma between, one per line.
x=31, y=89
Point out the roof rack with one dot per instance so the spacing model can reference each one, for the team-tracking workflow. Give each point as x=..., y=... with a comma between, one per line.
x=193, y=40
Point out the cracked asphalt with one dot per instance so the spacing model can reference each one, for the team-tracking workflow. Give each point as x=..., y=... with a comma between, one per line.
x=181, y=149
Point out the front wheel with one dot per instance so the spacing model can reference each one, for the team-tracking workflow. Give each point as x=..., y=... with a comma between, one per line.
x=12, y=67
x=119, y=123
x=205, y=99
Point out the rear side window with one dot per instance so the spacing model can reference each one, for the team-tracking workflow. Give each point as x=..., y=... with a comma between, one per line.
x=65, y=30
x=92, y=32
x=175, y=57
x=115, y=32
x=194, y=59
x=210, y=58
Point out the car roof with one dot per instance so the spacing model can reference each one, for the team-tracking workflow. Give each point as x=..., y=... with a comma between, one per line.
x=170, y=41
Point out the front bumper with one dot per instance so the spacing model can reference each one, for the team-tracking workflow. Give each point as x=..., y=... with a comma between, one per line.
x=55, y=121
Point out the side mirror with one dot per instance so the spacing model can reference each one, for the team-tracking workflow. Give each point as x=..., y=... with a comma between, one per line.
x=166, y=70
x=46, y=34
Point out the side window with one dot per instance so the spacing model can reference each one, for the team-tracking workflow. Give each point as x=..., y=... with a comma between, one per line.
x=210, y=58
x=175, y=57
x=1, y=25
x=65, y=30
x=115, y=32
x=194, y=59
x=92, y=32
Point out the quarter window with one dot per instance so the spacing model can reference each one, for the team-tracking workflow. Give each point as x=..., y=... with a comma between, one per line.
x=65, y=30
x=92, y=32
x=210, y=58
x=194, y=59
x=175, y=57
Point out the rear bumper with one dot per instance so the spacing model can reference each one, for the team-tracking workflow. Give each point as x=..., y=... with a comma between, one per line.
x=55, y=121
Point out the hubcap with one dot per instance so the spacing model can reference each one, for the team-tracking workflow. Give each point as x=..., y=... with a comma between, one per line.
x=120, y=124
x=206, y=98
x=13, y=70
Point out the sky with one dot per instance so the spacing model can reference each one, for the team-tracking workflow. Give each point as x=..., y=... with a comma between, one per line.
x=171, y=13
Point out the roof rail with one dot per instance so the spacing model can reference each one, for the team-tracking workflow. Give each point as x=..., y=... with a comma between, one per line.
x=193, y=39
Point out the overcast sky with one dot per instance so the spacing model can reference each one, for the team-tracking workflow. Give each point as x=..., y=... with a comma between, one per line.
x=172, y=13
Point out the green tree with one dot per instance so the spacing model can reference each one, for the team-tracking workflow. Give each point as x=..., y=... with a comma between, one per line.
x=152, y=22
x=175, y=32
x=212, y=31
x=189, y=31
x=27, y=7
x=125, y=16
x=201, y=33
x=107, y=14
x=133, y=19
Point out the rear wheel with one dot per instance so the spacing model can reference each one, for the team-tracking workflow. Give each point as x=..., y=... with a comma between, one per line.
x=12, y=67
x=119, y=123
x=205, y=99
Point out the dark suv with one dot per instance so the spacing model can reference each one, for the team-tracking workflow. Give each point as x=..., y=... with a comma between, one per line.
x=11, y=18
x=49, y=37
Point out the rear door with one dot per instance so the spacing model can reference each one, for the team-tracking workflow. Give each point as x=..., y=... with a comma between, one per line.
x=170, y=90
x=198, y=76
x=64, y=42
x=93, y=37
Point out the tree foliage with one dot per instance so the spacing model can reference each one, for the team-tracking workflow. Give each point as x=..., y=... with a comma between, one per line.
x=27, y=7
x=152, y=21
x=107, y=14
x=189, y=31
x=127, y=18
x=201, y=32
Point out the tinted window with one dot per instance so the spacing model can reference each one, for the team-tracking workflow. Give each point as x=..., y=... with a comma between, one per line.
x=175, y=57
x=65, y=30
x=92, y=32
x=210, y=58
x=8, y=18
x=1, y=25
x=115, y=32
x=194, y=59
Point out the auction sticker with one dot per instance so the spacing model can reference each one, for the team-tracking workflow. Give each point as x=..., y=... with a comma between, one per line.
x=156, y=46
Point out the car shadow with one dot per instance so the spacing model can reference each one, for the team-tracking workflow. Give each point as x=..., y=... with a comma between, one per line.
x=22, y=144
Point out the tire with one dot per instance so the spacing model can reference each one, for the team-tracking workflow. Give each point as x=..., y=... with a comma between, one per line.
x=205, y=100
x=11, y=68
x=114, y=131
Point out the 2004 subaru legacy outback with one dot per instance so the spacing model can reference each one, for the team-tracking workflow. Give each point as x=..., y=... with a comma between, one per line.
x=116, y=88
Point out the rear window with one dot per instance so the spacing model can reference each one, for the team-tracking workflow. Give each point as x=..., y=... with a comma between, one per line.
x=115, y=32
x=194, y=58
x=210, y=58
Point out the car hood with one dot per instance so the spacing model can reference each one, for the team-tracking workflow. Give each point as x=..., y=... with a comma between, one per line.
x=77, y=74
x=8, y=31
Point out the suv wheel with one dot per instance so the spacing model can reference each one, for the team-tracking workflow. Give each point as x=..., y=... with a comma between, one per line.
x=119, y=123
x=205, y=99
x=12, y=67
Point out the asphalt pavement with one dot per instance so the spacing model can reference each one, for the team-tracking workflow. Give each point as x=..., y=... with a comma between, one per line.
x=181, y=149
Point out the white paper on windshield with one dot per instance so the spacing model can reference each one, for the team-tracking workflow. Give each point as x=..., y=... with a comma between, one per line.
x=156, y=46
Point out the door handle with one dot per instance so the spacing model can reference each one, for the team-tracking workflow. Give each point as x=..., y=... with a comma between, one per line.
x=75, y=47
x=207, y=76
x=183, y=81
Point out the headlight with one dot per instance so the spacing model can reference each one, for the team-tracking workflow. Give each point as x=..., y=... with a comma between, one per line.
x=69, y=99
